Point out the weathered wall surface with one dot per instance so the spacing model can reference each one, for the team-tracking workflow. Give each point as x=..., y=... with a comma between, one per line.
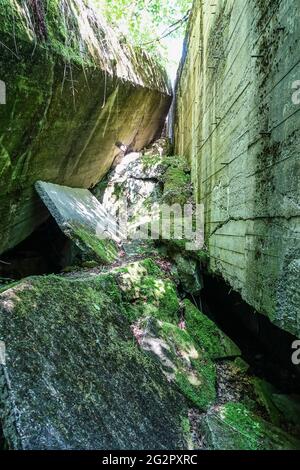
x=238, y=125
x=72, y=92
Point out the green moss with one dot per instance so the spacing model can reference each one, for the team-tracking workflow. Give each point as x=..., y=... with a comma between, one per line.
x=9, y=14
x=151, y=267
x=187, y=274
x=186, y=429
x=53, y=82
x=207, y=334
x=186, y=425
x=71, y=348
x=8, y=285
x=104, y=250
x=264, y=392
x=151, y=161
x=177, y=186
x=148, y=291
x=174, y=174
x=282, y=409
x=201, y=255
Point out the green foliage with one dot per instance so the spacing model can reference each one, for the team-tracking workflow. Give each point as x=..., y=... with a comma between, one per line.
x=233, y=426
x=146, y=22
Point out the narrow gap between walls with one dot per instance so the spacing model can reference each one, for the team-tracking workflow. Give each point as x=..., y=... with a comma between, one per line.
x=46, y=251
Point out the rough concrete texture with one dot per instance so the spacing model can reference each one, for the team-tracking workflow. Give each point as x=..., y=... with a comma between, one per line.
x=82, y=218
x=107, y=365
x=237, y=124
x=72, y=91
x=207, y=334
x=233, y=426
x=74, y=376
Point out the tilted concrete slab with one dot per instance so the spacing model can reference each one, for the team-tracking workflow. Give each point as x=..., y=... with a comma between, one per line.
x=67, y=105
x=82, y=218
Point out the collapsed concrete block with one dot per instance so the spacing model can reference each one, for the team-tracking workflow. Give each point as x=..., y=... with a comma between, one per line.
x=82, y=218
x=68, y=102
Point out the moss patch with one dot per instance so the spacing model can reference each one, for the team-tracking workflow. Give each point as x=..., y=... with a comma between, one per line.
x=182, y=362
x=93, y=247
x=207, y=334
x=196, y=375
x=69, y=83
x=78, y=377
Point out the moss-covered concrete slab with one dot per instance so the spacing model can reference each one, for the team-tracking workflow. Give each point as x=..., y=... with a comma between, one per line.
x=72, y=92
x=187, y=271
x=237, y=124
x=182, y=362
x=232, y=426
x=83, y=219
x=104, y=361
x=75, y=376
x=208, y=335
x=147, y=291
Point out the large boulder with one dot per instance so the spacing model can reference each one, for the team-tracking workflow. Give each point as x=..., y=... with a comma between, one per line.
x=232, y=426
x=73, y=92
x=208, y=335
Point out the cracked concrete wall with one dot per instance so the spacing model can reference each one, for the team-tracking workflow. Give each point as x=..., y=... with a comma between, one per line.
x=238, y=125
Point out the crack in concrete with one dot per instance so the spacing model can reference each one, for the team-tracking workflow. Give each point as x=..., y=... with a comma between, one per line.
x=245, y=219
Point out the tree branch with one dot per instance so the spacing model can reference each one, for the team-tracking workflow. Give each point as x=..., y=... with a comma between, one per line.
x=168, y=31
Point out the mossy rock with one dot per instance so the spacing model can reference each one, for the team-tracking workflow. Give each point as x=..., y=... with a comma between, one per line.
x=182, y=362
x=177, y=186
x=187, y=273
x=233, y=427
x=180, y=246
x=76, y=375
x=174, y=173
x=208, y=335
x=147, y=291
x=92, y=247
x=52, y=47
x=281, y=408
x=289, y=407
